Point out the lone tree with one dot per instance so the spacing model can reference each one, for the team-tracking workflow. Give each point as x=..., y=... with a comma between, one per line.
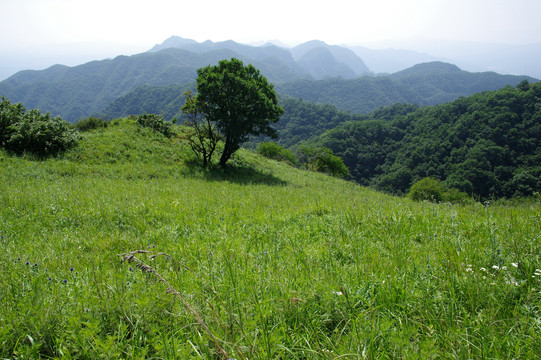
x=239, y=100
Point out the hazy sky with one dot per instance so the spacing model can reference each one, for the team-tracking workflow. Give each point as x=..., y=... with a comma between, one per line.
x=117, y=27
x=144, y=23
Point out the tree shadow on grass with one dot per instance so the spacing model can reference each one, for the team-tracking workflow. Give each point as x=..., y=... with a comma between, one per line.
x=243, y=175
x=238, y=174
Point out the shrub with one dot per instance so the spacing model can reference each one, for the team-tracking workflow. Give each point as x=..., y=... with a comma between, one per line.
x=90, y=123
x=322, y=159
x=432, y=190
x=454, y=196
x=427, y=189
x=156, y=123
x=274, y=151
x=9, y=114
x=34, y=132
x=524, y=184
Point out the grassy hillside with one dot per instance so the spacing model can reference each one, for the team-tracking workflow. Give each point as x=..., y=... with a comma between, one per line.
x=263, y=262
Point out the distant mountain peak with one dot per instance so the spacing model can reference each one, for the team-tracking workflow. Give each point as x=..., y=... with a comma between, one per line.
x=437, y=65
x=173, y=41
x=428, y=68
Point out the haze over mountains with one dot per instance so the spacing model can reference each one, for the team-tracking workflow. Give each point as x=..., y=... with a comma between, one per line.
x=313, y=71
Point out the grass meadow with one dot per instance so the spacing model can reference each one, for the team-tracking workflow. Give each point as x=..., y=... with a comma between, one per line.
x=262, y=261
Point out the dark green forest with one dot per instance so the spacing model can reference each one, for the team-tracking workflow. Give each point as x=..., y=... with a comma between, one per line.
x=487, y=144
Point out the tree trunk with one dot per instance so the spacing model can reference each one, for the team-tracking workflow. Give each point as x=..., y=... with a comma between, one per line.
x=229, y=149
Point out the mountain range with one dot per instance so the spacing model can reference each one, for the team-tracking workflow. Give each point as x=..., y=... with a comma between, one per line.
x=313, y=71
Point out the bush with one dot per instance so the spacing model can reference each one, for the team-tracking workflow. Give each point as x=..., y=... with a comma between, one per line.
x=524, y=184
x=455, y=196
x=156, y=123
x=274, y=151
x=323, y=160
x=427, y=189
x=34, y=132
x=430, y=189
x=90, y=123
x=9, y=115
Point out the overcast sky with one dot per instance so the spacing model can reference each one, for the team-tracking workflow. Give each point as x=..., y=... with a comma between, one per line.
x=131, y=26
x=144, y=23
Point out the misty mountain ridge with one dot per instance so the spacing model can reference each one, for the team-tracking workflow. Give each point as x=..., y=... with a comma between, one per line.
x=423, y=84
x=313, y=71
x=315, y=58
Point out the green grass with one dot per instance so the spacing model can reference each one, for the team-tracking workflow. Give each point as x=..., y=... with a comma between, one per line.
x=277, y=263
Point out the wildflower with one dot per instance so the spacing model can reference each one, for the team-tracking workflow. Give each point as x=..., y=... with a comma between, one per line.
x=504, y=267
x=495, y=267
x=71, y=269
x=27, y=263
x=35, y=264
x=537, y=272
x=339, y=293
x=65, y=281
x=483, y=269
x=131, y=269
x=49, y=278
x=515, y=265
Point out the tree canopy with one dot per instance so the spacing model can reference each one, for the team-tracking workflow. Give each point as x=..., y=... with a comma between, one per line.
x=239, y=100
x=486, y=145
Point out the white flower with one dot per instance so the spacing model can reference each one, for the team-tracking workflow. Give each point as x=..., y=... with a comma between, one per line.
x=496, y=267
x=515, y=264
x=504, y=267
x=339, y=293
x=483, y=269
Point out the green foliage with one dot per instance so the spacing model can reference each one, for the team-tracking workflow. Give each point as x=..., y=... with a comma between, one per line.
x=302, y=120
x=9, y=115
x=323, y=160
x=90, y=123
x=156, y=123
x=274, y=151
x=427, y=189
x=201, y=133
x=30, y=131
x=479, y=145
x=239, y=100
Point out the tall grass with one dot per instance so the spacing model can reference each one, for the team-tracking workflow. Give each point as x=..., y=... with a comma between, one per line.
x=277, y=263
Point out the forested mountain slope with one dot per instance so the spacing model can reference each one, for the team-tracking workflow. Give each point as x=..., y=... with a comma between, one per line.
x=75, y=92
x=423, y=84
x=488, y=144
